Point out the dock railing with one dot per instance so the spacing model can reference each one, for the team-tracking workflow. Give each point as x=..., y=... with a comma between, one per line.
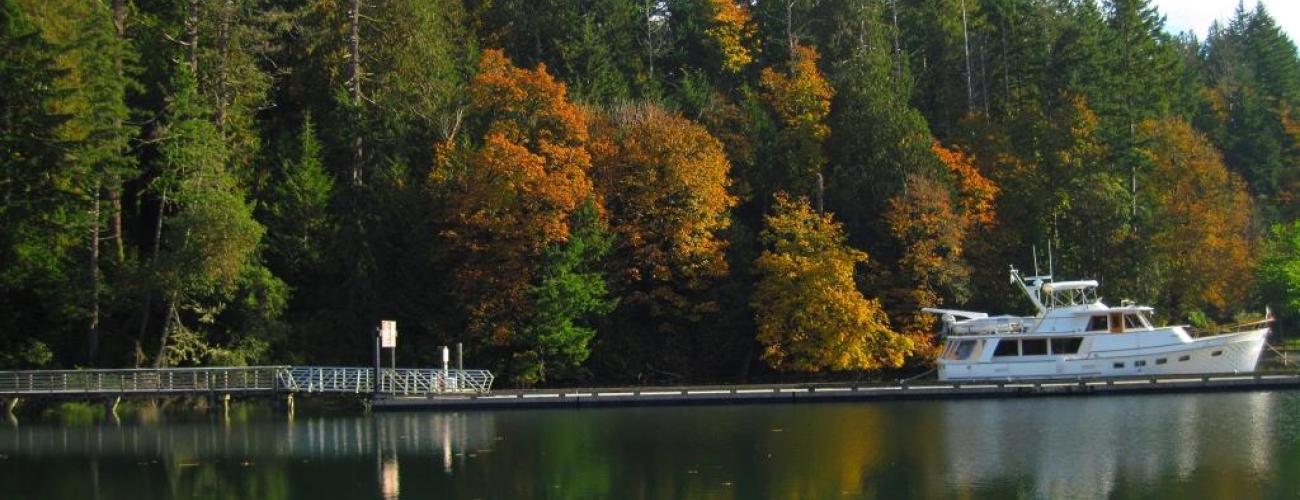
x=242, y=380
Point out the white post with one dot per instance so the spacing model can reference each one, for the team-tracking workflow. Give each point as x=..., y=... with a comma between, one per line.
x=446, y=359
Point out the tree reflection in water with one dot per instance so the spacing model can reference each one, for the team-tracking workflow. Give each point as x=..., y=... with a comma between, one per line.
x=1236, y=444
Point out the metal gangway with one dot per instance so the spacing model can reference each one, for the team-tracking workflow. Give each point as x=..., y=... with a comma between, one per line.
x=247, y=380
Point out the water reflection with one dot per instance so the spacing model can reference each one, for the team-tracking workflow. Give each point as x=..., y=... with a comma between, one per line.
x=322, y=437
x=1085, y=448
x=1243, y=445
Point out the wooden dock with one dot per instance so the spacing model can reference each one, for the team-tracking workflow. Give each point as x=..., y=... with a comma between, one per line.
x=811, y=393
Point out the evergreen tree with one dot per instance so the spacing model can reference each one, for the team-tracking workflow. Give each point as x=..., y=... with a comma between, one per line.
x=299, y=224
x=876, y=139
x=208, y=234
x=569, y=294
x=41, y=211
x=102, y=146
x=1279, y=271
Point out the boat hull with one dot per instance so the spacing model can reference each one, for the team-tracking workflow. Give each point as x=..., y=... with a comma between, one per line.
x=1227, y=353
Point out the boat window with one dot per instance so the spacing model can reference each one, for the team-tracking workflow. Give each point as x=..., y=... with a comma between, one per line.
x=1217, y=353
x=1097, y=324
x=1068, y=345
x=963, y=350
x=1161, y=361
x=1131, y=322
x=1033, y=347
x=1184, y=358
x=1007, y=347
x=1140, y=363
x=1118, y=365
x=1116, y=323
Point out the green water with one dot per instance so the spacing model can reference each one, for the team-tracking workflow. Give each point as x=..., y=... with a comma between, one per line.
x=1221, y=445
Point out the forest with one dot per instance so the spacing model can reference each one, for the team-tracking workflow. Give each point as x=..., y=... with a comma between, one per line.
x=624, y=191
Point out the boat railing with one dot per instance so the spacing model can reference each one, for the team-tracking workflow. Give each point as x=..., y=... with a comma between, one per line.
x=988, y=326
x=1234, y=328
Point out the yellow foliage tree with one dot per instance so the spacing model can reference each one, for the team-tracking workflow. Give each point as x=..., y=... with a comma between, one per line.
x=512, y=190
x=800, y=99
x=664, y=181
x=733, y=30
x=1201, y=219
x=809, y=311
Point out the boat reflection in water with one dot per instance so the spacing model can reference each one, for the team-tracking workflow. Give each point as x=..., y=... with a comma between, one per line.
x=1085, y=449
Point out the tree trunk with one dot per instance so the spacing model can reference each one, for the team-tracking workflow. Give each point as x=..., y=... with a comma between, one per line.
x=789, y=25
x=965, y=35
x=119, y=16
x=115, y=228
x=92, y=334
x=192, y=34
x=649, y=38
x=898, y=47
x=223, y=48
x=354, y=43
x=160, y=361
x=111, y=191
x=148, y=299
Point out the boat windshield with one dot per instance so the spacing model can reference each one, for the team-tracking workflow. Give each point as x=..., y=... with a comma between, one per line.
x=1062, y=297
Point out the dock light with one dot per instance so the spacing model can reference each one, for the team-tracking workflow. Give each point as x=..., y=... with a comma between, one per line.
x=446, y=357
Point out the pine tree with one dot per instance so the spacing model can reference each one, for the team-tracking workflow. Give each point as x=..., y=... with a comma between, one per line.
x=299, y=224
x=40, y=207
x=569, y=294
x=103, y=144
x=1279, y=271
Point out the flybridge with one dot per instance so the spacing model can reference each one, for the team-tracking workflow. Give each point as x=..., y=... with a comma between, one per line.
x=1046, y=294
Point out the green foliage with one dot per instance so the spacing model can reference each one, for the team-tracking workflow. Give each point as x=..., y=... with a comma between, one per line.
x=27, y=354
x=570, y=294
x=1279, y=270
x=212, y=234
x=299, y=223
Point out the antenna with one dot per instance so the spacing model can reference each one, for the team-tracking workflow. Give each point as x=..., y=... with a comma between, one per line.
x=1050, y=270
x=1035, y=247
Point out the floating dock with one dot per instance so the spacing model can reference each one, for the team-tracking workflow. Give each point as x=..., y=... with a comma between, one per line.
x=831, y=392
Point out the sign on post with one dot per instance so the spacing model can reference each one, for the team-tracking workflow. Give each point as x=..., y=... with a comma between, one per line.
x=388, y=334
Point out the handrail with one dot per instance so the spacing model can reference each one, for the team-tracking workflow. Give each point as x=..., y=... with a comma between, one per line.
x=1234, y=328
x=248, y=379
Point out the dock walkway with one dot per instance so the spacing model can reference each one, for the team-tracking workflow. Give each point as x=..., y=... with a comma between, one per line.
x=807, y=393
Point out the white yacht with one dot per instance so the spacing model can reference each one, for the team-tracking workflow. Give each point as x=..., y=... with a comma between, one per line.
x=1075, y=335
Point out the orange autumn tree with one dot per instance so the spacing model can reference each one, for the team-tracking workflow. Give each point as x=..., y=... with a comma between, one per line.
x=664, y=181
x=808, y=309
x=1200, y=217
x=510, y=189
x=932, y=223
